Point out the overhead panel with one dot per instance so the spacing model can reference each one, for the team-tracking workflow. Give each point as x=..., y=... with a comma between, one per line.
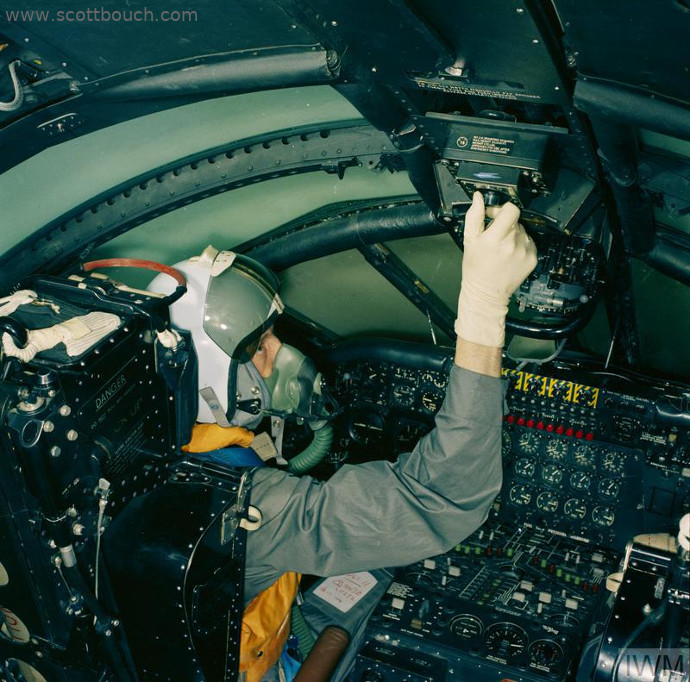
x=115, y=37
x=378, y=42
x=634, y=43
x=500, y=50
x=442, y=46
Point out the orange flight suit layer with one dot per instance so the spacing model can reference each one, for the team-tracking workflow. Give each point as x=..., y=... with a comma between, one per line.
x=266, y=627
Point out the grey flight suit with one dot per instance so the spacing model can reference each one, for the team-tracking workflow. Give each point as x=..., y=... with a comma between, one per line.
x=383, y=514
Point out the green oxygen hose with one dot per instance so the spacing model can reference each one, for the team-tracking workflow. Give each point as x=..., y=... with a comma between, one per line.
x=299, y=628
x=314, y=452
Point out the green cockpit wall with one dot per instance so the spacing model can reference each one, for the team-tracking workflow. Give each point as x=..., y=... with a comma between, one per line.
x=340, y=291
x=74, y=173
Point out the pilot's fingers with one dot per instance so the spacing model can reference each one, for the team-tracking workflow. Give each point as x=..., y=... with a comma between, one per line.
x=521, y=235
x=505, y=220
x=474, y=218
x=524, y=250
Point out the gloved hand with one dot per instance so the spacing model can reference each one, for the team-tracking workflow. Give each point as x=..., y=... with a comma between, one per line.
x=496, y=261
x=78, y=334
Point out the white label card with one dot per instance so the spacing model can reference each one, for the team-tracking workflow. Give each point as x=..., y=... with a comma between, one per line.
x=344, y=591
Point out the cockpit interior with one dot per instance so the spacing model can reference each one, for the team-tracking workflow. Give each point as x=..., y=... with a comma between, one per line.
x=339, y=144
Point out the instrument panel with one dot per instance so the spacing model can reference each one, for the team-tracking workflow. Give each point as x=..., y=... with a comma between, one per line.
x=589, y=461
x=393, y=387
x=584, y=457
x=387, y=407
x=504, y=598
x=571, y=485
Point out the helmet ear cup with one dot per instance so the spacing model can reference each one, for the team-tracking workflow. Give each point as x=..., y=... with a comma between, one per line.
x=251, y=391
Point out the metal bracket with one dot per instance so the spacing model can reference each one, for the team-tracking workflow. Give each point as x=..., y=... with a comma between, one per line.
x=670, y=178
x=410, y=285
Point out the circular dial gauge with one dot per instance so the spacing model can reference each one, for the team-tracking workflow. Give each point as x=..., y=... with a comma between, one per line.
x=520, y=495
x=585, y=456
x=529, y=443
x=557, y=450
x=434, y=379
x=466, y=626
x=625, y=428
x=579, y=480
x=545, y=652
x=505, y=639
x=613, y=462
x=375, y=385
x=431, y=401
x=525, y=467
x=366, y=428
x=609, y=488
x=552, y=474
x=603, y=516
x=547, y=502
x=575, y=509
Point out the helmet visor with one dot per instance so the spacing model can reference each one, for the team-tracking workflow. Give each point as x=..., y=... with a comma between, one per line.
x=241, y=303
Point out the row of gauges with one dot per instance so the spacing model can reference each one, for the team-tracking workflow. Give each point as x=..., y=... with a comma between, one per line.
x=553, y=476
x=506, y=640
x=393, y=386
x=409, y=383
x=584, y=455
x=549, y=502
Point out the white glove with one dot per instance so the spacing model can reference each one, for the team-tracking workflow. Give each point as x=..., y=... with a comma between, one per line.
x=78, y=334
x=496, y=261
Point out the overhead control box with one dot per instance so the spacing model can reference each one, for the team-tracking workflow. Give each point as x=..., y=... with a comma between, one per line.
x=507, y=161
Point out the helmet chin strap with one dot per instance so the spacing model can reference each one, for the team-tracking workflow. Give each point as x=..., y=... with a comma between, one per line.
x=252, y=397
x=208, y=395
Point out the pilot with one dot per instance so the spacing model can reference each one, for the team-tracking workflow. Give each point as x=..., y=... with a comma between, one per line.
x=372, y=515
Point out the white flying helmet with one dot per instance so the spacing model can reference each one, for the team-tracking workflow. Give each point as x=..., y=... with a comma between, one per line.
x=231, y=300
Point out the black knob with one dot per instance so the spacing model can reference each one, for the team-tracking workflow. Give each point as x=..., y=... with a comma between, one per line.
x=370, y=675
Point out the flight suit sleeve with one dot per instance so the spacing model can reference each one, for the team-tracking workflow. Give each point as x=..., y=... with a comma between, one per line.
x=384, y=514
